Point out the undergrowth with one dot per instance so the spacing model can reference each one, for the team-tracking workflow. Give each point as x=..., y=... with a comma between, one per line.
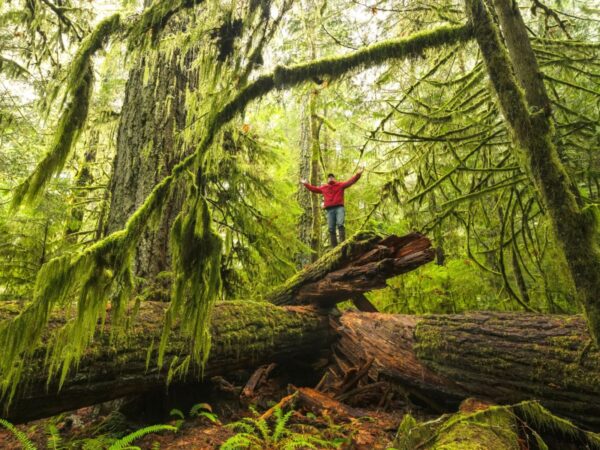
x=101, y=442
x=255, y=433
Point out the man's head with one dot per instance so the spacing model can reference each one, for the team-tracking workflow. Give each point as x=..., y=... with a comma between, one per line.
x=330, y=178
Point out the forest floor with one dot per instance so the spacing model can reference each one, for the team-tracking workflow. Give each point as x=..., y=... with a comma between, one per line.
x=357, y=424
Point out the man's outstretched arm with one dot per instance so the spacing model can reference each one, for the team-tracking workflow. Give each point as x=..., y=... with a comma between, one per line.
x=310, y=187
x=354, y=179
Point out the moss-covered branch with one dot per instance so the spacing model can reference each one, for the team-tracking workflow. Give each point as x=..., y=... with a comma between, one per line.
x=78, y=90
x=154, y=18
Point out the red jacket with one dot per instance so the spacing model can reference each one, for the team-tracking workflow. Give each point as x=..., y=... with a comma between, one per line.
x=333, y=192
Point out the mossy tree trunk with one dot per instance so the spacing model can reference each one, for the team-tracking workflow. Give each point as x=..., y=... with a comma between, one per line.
x=315, y=176
x=309, y=225
x=147, y=149
x=527, y=114
x=245, y=335
x=439, y=360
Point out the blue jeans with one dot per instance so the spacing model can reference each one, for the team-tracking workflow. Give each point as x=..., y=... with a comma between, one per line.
x=335, y=217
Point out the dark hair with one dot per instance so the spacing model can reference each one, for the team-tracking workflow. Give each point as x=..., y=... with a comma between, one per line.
x=330, y=175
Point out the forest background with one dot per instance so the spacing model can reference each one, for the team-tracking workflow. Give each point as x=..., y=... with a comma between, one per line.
x=438, y=152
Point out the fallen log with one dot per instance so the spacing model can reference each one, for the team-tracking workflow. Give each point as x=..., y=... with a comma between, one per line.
x=436, y=360
x=245, y=335
x=502, y=357
x=361, y=264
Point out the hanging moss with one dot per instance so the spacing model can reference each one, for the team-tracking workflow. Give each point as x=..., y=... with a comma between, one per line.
x=89, y=46
x=154, y=18
x=78, y=89
x=196, y=250
x=69, y=127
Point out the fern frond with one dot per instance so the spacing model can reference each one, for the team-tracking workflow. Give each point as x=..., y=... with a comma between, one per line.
x=22, y=437
x=126, y=441
x=54, y=438
x=280, y=426
x=239, y=441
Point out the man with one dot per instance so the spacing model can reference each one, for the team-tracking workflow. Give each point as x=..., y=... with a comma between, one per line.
x=333, y=202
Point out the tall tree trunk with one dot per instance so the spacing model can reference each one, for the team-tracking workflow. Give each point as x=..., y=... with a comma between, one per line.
x=147, y=149
x=575, y=227
x=315, y=175
x=308, y=201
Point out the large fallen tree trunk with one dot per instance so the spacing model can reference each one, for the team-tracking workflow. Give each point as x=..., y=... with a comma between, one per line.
x=359, y=265
x=502, y=357
x=244, y=335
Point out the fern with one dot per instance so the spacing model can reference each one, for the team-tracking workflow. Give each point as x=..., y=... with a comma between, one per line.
x=239, y=441
x=23, y=439
x=204, y=410
x=126, y=441
x=54, y=438
x=256, y=434
x=280, y=425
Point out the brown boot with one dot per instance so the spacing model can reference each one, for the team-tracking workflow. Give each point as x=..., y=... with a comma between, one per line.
x=342, y=230
x=333, y=239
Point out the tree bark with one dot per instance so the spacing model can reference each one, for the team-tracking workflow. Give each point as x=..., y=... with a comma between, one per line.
x=244, y=335
x=361, y=264
x=305, y=197
x=502, y=357
x=147, y=149
x=574, y=225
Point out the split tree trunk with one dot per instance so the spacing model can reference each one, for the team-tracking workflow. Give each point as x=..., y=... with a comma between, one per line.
x=244, y=335
x=575, y=226
x=501, y=357
x=361, y=264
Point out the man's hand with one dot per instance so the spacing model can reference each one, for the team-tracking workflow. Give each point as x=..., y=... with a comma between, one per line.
x=361, y=168
x=303, y=181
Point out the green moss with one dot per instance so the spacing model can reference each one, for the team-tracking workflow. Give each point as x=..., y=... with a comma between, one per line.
x=154, y=18
x=494, y=427
x=72, y=120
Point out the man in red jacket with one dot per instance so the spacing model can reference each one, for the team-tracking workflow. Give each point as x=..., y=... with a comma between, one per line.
x=333, y=202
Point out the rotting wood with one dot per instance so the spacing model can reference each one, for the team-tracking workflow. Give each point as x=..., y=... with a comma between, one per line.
x=259, y=376
x=361, y=264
